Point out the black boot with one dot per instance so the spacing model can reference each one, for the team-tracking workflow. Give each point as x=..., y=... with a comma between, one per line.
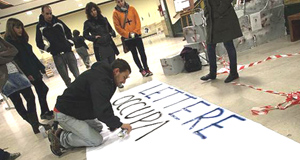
x=231, y=77
x=211, y=76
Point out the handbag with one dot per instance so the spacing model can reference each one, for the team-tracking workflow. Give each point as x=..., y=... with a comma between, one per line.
x=125, y=47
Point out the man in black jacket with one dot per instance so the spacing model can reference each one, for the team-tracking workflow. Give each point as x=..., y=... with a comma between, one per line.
x=59, y=38
x=85, y=103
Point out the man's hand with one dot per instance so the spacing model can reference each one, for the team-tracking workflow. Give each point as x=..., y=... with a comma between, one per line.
x=127, y=127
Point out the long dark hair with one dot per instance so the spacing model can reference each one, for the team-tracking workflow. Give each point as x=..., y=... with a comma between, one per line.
x=10, y=24
x=88, y=9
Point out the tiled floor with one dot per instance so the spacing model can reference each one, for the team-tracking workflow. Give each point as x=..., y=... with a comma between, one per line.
x=279, y=75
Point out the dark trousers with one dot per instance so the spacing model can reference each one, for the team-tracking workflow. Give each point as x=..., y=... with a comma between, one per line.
x=41, y=90
x=134, y=45
x=211, y=49
x=3, y=154
x=96, y=52
x=18, y=103
x=109, y=59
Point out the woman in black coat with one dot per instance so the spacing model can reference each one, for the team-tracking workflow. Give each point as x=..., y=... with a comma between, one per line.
x=98, y=30
x=28, y=62
x=222, y=26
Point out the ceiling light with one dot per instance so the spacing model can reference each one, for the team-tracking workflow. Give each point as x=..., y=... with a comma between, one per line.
x=80, y=5
x=26, y=0
x=29, y=12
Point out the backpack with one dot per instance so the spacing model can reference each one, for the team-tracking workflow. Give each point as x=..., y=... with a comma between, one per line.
x=192, y=61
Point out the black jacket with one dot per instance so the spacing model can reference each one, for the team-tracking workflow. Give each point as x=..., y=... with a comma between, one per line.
x=57, y=34
x=222, y=22
x=88, y=97
x=79, y=42
x=100, y=26
x=26, y=59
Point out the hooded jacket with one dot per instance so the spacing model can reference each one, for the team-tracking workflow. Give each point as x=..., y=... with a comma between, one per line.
x=57, y=34
x=132, y=24
x=88, y=97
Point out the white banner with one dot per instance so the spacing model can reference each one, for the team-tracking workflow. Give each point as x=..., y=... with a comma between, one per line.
x=169, y=123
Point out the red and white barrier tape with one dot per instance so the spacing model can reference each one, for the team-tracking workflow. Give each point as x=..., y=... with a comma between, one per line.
x=293, y=98
x=226, y=68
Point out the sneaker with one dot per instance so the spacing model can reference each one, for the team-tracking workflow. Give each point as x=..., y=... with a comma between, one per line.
x=149, y=72
x=13, y=156
x=144, y=73
x=54, y=142
x=47, y=115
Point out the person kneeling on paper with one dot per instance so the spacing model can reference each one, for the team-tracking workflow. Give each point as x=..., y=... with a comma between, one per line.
x=85, y=104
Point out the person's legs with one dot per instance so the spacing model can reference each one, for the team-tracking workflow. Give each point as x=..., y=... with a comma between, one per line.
x=72, y=63
x=84, y=56
x=96, y=52
x=41, y=90
x=95, y=123
x=111, y=58
x=211, y=49
x=233, y=61
x=132, y=47
x=18, y=103
x=141, y=49
x=61, y=67
x=77, y=133
x=232, y=56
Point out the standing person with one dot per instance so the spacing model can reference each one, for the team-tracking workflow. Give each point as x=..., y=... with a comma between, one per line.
x=13, y=83
x=81, y=48
x=85, y=103
x=8, y=156
x=130, y=29
x=98, y=30
x=59, y=37
x=222, y=26
x=28, y=62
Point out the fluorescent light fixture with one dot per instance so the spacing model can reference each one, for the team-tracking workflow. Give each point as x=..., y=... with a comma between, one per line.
x=29, y=12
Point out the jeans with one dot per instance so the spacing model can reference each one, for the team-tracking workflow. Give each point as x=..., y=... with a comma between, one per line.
x=79, y=133
x=82, y=51
x=211, y=49
x=133, y=45
x=62, y=62
x=41, y=90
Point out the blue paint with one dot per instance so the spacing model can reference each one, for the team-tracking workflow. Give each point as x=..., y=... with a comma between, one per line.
x=189, y=96
x=203, y=117
x=217, y=125
x=157, y=92
x=149, y=89
x=177, y=91
x=186, y=109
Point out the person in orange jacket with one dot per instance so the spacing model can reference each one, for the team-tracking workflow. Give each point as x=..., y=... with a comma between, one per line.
x=130, y=30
